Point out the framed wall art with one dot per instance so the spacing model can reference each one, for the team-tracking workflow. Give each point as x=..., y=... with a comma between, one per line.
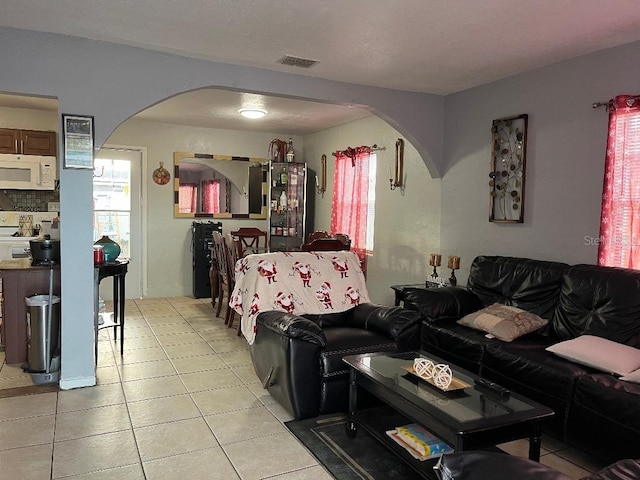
x=508, y=160
x=78, y=140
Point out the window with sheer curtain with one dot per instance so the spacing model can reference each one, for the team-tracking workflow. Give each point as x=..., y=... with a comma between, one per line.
x=188, y=196
x=211, y=201
x=619, y=242
x=354, y=186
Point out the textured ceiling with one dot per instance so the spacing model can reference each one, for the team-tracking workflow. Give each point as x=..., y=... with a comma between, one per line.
x=432, y=46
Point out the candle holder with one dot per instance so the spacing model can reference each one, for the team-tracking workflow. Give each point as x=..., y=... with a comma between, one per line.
x=434, y=261
x=453, y=264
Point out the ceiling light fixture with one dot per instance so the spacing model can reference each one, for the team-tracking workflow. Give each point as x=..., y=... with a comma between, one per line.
x=252, y=113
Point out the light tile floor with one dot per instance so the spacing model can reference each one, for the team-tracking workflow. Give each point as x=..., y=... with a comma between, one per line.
x=183, y=402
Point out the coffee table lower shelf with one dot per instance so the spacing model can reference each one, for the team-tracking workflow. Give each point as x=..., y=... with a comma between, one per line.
x=377, y=421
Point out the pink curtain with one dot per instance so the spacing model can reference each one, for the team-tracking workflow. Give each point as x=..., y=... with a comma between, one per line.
x=619, y=242
x=187, y=197
x=212, y=196
x=350, y=202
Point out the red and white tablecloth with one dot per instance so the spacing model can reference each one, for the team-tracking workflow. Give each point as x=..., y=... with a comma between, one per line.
x=296, y=282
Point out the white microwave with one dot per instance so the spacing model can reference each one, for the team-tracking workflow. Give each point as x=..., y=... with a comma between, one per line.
x=27, y=172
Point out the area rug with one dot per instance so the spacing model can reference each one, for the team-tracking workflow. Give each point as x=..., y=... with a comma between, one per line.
x=348, y=459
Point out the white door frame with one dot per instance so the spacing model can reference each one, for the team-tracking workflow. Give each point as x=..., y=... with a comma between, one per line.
x=143, y=287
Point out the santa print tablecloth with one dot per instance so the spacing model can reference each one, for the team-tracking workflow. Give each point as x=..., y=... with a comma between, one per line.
x=296, y=282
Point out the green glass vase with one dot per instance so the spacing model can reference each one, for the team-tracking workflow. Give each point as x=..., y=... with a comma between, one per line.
x=110, y=248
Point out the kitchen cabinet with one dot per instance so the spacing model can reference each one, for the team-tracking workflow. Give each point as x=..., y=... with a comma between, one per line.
x=20, y=280
x=28, y=142
x=288, y=206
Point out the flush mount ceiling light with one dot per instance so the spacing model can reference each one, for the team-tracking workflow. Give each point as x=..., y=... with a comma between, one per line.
x=252, y=113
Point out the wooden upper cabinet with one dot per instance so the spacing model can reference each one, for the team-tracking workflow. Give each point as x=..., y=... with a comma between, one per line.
x=9, y=140
x=28, y=142
x=35, y=142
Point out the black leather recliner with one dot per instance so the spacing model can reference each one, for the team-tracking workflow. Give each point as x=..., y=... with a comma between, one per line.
x=299, y=358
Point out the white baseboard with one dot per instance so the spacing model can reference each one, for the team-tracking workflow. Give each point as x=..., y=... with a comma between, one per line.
x=71, y=383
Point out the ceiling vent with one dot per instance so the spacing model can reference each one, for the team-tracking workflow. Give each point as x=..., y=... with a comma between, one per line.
x=298, y=61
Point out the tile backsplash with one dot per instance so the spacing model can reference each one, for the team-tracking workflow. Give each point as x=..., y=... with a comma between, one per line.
x=31, y=200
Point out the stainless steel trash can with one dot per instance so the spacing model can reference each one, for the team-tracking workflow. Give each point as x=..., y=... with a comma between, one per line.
x=42, y=338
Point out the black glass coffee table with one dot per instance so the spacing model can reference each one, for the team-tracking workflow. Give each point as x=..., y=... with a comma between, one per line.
x=467, y=418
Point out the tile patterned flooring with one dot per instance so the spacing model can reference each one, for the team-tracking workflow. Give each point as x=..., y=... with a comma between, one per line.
x=183, y=402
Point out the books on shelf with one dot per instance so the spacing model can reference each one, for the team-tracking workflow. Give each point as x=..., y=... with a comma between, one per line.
x=419, y=442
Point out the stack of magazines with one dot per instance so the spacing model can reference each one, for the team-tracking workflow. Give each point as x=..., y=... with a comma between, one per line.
x=419, y=442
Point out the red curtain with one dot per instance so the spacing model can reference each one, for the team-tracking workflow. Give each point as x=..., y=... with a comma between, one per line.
x=187, y=197
x=619, y=242
x=212, y=196
x=350, y=205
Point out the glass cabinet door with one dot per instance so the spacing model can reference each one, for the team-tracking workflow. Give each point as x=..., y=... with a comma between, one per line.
x=287, y=206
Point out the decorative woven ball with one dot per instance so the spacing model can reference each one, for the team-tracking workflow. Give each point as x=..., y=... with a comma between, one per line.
x=424, y=368
x=442, y=375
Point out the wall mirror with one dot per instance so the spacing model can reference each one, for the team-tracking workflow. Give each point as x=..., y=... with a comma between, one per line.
x=219, y=186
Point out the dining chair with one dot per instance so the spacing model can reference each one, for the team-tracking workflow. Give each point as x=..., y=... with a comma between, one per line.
x=317, y=234
x=233, y=247
x=344, y=238
x=250, y=239
x=324, y=244
x=219, y=275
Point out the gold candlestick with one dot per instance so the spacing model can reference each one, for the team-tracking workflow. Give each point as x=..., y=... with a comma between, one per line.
x=453, y=264
x=434, y=260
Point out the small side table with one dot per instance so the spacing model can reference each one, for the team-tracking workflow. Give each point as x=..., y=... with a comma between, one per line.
x=118, y=270
x=399, y=289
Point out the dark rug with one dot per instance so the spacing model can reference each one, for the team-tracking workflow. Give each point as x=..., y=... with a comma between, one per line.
x=348, y=459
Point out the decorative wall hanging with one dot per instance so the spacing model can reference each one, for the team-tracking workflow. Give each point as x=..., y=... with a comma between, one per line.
x=161, y=175
x=78, y=140
x=509, y=140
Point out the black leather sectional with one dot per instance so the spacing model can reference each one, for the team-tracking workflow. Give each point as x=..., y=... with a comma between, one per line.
x=595, y=411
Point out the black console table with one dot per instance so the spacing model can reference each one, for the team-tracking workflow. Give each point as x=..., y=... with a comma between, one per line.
x=399, y=289
x=118, y=270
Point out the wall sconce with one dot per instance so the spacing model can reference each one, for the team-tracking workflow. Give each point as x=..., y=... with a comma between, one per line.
x=453, y=264
x=396, y=180
x=321, y=186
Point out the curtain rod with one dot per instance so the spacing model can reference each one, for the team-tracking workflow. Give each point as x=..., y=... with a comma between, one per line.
x=631, y=99
x=373, y=148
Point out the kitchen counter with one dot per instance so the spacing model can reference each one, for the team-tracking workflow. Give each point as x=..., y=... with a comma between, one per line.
x=21, y=280
x=21, y=264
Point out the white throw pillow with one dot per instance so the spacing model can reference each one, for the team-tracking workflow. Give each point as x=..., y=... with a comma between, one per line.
x=599, y=353
x=633, y=377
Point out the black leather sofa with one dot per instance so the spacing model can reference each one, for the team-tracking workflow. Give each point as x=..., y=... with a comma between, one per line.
x=481, y=465
x=299, y=358
x=594, y=411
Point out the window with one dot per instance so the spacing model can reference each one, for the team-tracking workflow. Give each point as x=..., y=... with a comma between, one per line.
x=619, y=242
x=354, y=187
x=188, y=194
x=211, y=201
x=112, y=202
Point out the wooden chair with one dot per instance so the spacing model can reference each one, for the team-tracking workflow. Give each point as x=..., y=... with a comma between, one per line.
x=324, y=244
x=233, y=247
x=345, y=238
x=317, y=234
x=250, y=240
x=218, y=272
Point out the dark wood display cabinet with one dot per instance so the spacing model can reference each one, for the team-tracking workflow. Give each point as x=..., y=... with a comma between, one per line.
x=28, y=142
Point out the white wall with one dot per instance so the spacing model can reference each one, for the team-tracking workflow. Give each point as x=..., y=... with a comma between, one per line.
x=28, y=119
x=407, y=221
x=565, y=158
x=169, y=257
